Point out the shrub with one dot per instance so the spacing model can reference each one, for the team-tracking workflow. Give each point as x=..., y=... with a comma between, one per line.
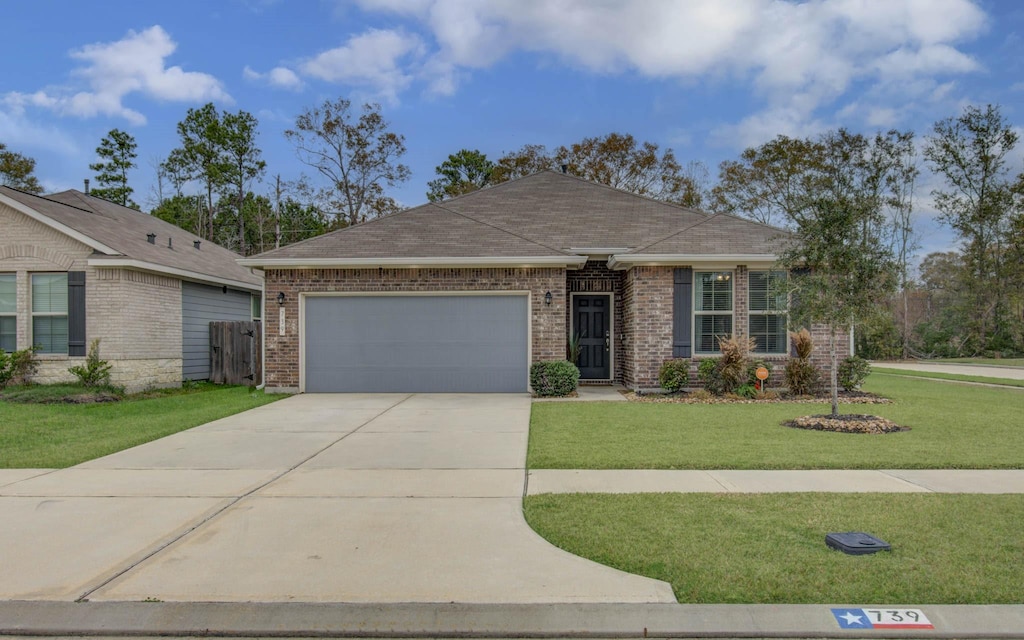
x=674, y=374
x=732, y=366
x=747, y=391
x=852, y=372
x=95, y=372
x=767, y=394
x=709, y=376
x=554, y=378
x=802, y=343
x=17, y=366
x=802, y=377
x=700, y=395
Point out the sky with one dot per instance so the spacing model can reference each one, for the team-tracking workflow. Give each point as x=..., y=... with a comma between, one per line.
x=705, y=78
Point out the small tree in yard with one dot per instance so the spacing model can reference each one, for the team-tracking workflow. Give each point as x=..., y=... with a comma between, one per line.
x=95, y=372
x=842, y=269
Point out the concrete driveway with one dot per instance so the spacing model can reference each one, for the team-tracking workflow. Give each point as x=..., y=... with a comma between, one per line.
x=316, y=498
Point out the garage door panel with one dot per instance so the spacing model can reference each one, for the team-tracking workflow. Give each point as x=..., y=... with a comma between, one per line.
x=416, y=343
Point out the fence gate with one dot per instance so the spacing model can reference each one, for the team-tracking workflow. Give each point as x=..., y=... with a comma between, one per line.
x=236, y=355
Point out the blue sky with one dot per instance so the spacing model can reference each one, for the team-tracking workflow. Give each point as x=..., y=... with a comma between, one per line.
x=706, y=78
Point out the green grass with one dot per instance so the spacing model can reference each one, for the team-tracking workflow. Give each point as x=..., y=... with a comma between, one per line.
x=942, y=375
x=770, y=548
x=952, y=426
x=990, y=362
x=62, y=435
x=57, y=393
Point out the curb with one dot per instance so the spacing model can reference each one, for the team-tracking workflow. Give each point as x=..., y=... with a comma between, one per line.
x=331, y=620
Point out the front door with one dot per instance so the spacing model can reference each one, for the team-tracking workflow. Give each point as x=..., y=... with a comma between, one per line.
x=591, y=321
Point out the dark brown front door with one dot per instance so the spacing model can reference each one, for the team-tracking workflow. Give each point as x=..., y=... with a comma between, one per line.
x=591, y=320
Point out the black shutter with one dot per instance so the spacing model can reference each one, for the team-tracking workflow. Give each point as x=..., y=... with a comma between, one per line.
x=76, y=313
x=682, y=313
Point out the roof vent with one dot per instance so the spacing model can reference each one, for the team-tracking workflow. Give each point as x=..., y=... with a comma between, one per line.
x=169, y=243
x=565, y=168
x=151, y=237
x=87, y=186
x=196, y=243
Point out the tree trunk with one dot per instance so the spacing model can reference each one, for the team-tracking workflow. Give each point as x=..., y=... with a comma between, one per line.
x=241, y=220
x=833, y=369
x=277, y=213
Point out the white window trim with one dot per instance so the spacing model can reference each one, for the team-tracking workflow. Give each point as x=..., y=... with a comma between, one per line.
x=773, y=312
x=696, y=314
x=32, y=315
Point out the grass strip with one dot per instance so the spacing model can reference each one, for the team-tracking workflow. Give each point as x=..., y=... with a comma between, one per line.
x=62, y=435
x=770, y=548
x=952, y=426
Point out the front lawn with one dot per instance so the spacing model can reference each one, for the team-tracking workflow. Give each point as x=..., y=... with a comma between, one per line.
x=952, y=426
x=770, y=548
x=61, y=435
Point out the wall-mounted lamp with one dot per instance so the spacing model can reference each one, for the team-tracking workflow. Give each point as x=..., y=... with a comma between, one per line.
x=280, y=298
x=547, y=298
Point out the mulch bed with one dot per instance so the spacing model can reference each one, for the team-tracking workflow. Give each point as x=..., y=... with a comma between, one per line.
x=854, y=397
x=848, y=423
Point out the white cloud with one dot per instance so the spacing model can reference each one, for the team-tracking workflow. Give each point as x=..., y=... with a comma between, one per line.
x=278, y=77
x=799, y=56
x=376, y=60
x=114, y=70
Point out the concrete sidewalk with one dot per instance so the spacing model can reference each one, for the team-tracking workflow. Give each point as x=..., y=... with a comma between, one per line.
x=1012, y=373
x=829, y=481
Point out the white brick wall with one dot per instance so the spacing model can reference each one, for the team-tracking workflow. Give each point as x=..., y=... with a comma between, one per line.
x=136, y=316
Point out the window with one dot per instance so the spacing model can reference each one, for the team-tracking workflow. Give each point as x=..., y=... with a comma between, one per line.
x=712, y=309
x=257, y=306
x=768, y=317
x=50, y=312
x=8, y=308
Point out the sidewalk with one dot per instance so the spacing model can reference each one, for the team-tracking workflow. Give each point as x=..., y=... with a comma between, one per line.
x=828, y=481
x=1012, y=373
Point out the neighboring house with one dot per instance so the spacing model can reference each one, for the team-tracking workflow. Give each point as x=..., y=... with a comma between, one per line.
x=74, y=268
x=462, y=295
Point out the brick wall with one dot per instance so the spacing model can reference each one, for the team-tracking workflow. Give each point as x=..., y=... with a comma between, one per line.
x=136, y=316
x=281, y=358
x=596, y=277
x=647, y=319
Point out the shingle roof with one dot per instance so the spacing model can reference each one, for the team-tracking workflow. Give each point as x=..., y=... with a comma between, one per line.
x=124, y=230
x=544, y=214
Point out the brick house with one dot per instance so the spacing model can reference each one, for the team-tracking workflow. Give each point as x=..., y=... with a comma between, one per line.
x=74, y=268
x=462, y=295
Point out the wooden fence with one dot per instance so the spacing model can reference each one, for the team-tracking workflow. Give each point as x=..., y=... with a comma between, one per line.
x=236, y=353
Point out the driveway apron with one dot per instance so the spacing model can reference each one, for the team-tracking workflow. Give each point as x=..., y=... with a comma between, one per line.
x=316, y=498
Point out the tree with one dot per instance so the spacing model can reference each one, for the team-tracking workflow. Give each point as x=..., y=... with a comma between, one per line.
x=357, y=157
x=243, y=161
x=461, y=173
x=16, y=171
x=117, y=156
x=200, y=157
x=771, y=183
x=529, y=159
x=618, y=161
x=970, y=153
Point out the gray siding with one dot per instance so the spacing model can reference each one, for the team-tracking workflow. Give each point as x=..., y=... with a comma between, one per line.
x=200, y=305
x=423, y=344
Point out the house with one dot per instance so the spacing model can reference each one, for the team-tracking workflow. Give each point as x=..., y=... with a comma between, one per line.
x=74, y=268
x=462, y=295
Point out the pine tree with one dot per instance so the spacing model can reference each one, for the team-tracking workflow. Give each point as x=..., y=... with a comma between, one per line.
x=117, y=153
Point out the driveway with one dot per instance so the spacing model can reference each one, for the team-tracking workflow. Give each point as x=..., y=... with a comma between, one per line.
x=316, y=498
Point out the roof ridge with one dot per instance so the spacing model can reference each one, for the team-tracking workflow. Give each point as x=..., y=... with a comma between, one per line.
x=711, y=217
x=628, y=193
x=494, y=226
x=47, y=198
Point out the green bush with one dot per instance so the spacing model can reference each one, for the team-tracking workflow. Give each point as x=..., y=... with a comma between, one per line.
x=674, y=374
x=17, y=366
x=709, y=376
x=852, y=372
x=752, y=372
x=95, y=372
x=746, y=391
x=554, y=378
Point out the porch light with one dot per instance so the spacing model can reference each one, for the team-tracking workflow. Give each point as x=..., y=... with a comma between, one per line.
x=280, y=298
x=547, y=298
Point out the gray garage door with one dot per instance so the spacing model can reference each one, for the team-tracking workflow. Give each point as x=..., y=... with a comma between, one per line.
x=425, y=344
